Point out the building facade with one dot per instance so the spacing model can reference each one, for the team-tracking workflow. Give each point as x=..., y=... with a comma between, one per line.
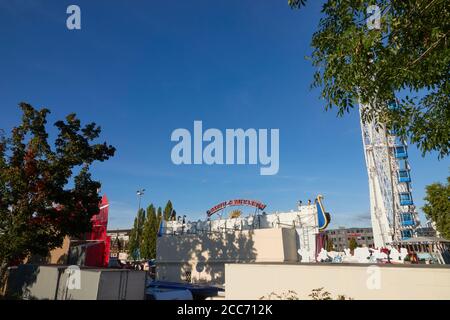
x=341, y=237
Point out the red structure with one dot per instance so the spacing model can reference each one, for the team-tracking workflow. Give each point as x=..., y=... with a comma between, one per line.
x=97, y=242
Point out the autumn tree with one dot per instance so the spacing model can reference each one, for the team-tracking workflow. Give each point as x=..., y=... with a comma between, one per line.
x=437, y=206
x=408, y=53
x=46, y=192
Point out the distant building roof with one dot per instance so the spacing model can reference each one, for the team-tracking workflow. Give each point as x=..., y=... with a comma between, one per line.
x=350, y=228
x=119, y=231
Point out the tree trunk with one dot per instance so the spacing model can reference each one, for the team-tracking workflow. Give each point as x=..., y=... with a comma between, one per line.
x=3, y=276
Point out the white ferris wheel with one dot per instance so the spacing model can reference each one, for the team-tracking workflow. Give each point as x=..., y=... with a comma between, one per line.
x=393, y=214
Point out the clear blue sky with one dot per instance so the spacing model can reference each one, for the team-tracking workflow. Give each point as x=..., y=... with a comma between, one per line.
x=142, y=70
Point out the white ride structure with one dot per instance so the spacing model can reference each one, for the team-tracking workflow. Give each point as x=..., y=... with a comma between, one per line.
x=308, y=220
x=393, y=214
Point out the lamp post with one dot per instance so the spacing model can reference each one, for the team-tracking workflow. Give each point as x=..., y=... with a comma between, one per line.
x=139, y=193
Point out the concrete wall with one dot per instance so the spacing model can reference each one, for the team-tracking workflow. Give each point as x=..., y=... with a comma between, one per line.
x=204, y=256
x=127, y=285
x=51, y=282
x=105, y=284
x=89, y=286
x=357, y=281
x=33, y=282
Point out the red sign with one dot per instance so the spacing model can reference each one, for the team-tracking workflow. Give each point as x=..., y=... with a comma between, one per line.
x=354, y=234
x=234, y=203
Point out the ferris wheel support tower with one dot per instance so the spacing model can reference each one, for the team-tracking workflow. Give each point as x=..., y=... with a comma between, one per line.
x=392, y=210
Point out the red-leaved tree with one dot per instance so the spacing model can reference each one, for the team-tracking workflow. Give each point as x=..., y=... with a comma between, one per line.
x=46, y=192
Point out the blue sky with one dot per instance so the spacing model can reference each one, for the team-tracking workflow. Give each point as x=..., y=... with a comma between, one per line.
x=142, y=70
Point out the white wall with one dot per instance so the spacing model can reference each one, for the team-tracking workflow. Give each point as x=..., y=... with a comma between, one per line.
x=253, y=281
x=205, y=255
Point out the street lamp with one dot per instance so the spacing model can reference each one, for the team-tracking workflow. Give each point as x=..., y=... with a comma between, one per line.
x=140, y=193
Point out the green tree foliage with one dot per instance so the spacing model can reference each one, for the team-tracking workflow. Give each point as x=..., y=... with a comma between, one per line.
x=352, y=244
x=437, y=206
x=142, y=242
x=46, y=193
x=148, y=247
x=168, y=210
x=132, y=245
x=408, y=52
x=135, y=240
